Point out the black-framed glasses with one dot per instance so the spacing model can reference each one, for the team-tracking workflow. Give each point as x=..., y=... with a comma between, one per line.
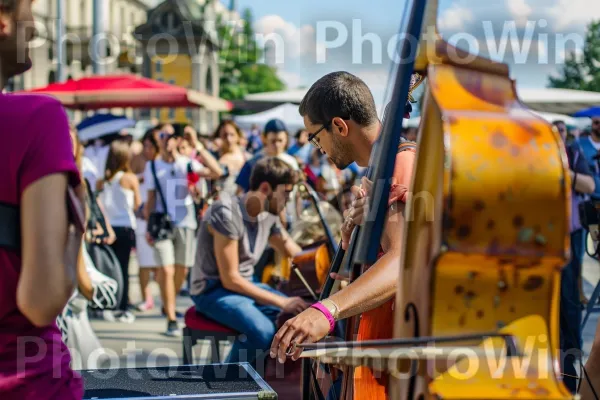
x=312, y=138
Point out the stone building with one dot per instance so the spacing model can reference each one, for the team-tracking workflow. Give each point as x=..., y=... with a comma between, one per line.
x=121, y=17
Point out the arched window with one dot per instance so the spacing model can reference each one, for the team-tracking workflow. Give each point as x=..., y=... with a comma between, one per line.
x=209, y=83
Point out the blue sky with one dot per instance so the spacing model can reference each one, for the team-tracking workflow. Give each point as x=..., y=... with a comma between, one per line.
x=534, y=53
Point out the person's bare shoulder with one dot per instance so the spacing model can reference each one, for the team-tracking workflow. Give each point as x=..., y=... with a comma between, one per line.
x=129, y=180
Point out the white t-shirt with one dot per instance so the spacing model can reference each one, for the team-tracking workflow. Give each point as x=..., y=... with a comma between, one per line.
x=172, y=178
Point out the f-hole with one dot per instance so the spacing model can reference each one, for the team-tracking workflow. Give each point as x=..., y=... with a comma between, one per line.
x=410, y=312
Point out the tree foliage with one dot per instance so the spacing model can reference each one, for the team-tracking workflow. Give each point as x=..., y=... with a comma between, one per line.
x=242, y=70
x=582, y=72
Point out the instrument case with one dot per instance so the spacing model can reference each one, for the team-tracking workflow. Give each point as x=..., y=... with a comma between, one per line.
x=211, y=381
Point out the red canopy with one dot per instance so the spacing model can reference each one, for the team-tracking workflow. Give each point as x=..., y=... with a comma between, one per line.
x=123, y=91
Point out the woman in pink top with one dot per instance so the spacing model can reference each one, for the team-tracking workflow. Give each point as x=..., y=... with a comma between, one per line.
x=36, y=165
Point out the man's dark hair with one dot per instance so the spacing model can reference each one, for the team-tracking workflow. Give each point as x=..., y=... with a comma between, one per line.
x=339, y=94
x=273, y=171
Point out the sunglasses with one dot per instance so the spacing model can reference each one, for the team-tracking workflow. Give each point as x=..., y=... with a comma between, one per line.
x=596, y=122
x=164, y=135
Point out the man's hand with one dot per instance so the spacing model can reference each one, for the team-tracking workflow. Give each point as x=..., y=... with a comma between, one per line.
x=307, y=327
x=295, y=305
x=110, y=239
x=355, y=215
x=344, y=280
x=191, y=136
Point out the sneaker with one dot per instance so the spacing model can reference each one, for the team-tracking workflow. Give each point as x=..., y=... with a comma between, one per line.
x=173, y=329
x=109, y=315
x=126, y=317
x=145, y=306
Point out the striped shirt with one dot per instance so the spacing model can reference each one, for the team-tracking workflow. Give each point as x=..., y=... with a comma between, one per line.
x=228, y=217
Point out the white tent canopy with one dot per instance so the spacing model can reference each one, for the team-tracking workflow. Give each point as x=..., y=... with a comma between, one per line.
x=287, y=112
x=563, y=101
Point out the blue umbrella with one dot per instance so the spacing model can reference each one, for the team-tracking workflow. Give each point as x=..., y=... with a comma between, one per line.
x=101, y=125
x=588, y=112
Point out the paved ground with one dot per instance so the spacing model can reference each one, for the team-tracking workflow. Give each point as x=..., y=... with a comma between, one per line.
x=142, y=343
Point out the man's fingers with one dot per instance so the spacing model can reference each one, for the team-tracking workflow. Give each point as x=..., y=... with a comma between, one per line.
x=285, y=343
x=301, y=338
x=358, y=203
x=277, y=339
x=339, y=277
x=357, y=191
x=346, y=212
x=366, y=184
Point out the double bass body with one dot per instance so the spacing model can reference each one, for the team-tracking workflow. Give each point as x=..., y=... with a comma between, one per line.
x=485, y=240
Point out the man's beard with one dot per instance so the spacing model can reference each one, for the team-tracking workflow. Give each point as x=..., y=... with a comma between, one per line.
x=343, y=153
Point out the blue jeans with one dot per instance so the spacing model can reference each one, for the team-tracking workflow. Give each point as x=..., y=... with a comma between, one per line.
x=570, y=310
x=255, y=321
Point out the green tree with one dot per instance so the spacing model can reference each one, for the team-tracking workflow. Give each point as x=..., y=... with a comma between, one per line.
x=582, y=72
x=242, y=72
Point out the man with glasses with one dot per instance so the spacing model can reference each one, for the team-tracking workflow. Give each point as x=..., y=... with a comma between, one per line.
x=340, y=113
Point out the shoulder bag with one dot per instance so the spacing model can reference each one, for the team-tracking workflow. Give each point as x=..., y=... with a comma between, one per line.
x=160, y=225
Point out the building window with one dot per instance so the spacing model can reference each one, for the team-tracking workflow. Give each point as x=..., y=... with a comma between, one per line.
x=171, y=114
x=209, y=83
x=123, y=27
x=84, y=16
x=188, y=113
x=51, y=77
x=158, y=66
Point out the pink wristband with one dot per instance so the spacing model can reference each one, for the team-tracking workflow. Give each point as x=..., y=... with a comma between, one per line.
x=327, y=315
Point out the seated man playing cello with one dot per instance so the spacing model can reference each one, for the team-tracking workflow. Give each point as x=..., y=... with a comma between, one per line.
x=340, y=113
x=232, y=237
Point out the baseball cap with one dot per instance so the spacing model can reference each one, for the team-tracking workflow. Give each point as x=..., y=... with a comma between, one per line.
x=275, y=125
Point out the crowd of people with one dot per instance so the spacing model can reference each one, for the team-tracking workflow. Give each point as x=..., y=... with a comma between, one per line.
x=182, y=173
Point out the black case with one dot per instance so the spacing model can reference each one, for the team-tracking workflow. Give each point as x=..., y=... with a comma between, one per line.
x=211, y=381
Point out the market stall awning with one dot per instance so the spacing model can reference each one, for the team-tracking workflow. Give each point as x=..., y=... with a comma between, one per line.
x=128, y=91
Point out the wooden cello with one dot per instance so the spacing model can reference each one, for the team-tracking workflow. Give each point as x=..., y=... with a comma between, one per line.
x=486, y=235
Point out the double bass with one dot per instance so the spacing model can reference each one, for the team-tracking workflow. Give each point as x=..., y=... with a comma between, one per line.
x=486, y=234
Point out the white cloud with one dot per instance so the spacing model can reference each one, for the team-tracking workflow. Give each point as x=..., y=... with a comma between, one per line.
x=520, y=11
x=455, y=17
x=291, y=79
x=296, y=41
x=573, y=12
